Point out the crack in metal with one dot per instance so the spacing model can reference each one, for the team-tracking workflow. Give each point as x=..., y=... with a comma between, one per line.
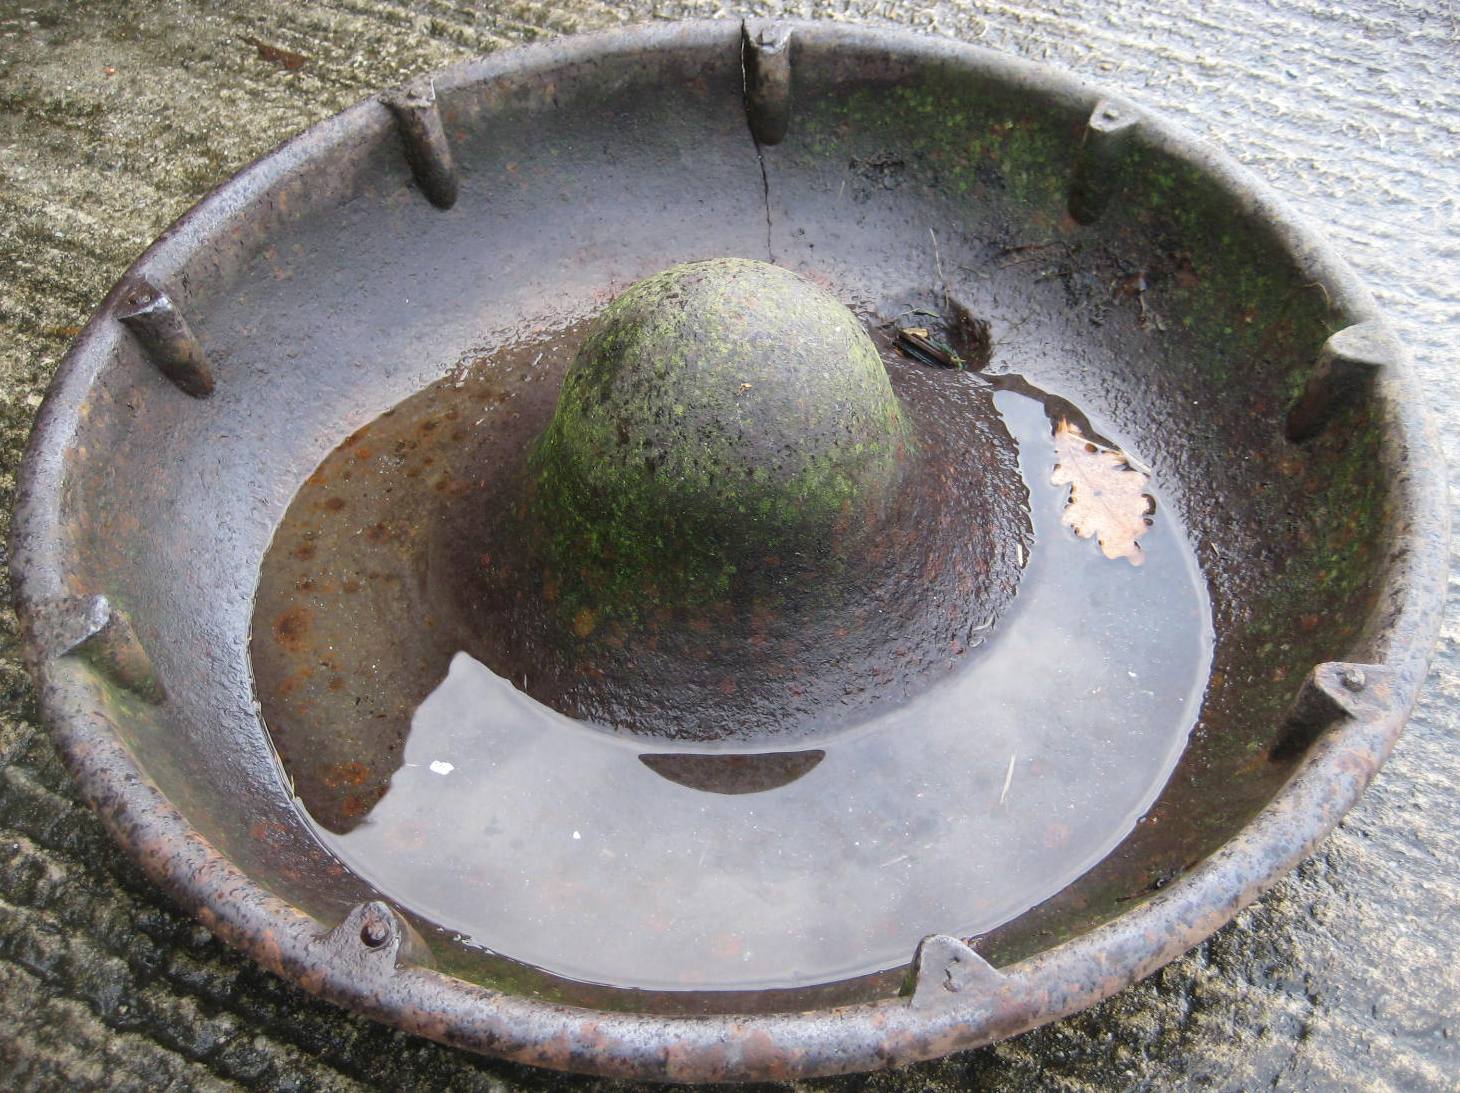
x=765, y=181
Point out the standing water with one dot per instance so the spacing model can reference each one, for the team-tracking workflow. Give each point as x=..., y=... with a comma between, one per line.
x=465, y=792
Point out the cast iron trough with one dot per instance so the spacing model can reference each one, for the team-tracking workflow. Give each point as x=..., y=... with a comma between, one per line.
x=404, y=441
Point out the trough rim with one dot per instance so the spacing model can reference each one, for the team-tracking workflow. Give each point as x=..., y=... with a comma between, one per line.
x=1050, y=985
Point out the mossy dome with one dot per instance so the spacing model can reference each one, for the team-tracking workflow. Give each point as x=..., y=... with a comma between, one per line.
x=716, y=411
x=738, y=518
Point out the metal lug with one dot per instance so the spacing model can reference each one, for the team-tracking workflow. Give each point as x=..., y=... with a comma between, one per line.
x=946, y=969
x=766, y=57
x=1333, y=691
x=90, y=628
x=155, y=321
x=418, y=119
x=1345, y=370
x=1100, y=161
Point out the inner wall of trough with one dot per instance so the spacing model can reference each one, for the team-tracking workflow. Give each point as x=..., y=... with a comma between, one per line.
x=1183, y=323
x=1180, y=325
x=339, y=313
x=1289, y=536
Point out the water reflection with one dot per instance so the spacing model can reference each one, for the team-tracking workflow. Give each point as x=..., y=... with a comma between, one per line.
x=734, y=773
x=568, y=847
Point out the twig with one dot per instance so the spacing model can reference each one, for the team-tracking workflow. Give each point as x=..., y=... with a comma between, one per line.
x=914, y=342
x=938, y=265
x=1008, y=778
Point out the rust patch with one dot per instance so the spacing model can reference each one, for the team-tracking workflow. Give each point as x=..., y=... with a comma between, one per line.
x=291, y=629
x=349, y=773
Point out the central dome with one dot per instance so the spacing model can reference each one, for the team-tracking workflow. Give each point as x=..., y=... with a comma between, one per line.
x=739, y=521
x=717, y=411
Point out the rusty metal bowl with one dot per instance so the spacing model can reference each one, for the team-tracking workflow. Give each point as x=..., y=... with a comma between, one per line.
x=1118, y=259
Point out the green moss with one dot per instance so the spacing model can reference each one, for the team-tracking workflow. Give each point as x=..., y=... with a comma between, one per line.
x=718, y=412
x=969, y=140
x=1238, y=289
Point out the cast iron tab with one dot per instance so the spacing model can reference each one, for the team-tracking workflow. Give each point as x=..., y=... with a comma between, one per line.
x=159, y=326
x=766, y=56
x=418, y=119
x=947, y=968
x=1100, y=163
x=1343, y=373
x=1333, y=691
x=89, y=627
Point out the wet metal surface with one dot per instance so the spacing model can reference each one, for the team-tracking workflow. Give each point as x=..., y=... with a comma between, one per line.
x=1226, y=869
x=408, y=544
x=998, y=778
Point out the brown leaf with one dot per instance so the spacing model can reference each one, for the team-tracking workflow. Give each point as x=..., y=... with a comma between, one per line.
x=285, y=58
x=1108, y=496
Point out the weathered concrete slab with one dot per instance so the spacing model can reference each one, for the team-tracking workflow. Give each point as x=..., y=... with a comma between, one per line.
x=117, y=116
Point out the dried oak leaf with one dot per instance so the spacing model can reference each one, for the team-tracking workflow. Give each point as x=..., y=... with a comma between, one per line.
x=1108, y=497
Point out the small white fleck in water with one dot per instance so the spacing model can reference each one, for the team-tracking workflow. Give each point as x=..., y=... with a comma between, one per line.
x=577, y=835
x=1008, y=778
x=440, y=766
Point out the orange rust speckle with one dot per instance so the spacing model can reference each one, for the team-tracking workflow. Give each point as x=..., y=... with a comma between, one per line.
x=761, y=1055
x=584, y=622
x=295, y=680
x=351, y=585
x=1256, y=763
x=377, y=534
x=268, y=831
x=335, y=504
x=352, y=772
x=291, y=629
x=337, y=683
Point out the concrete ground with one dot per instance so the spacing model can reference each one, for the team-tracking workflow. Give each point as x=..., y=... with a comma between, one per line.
x=115, y=117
